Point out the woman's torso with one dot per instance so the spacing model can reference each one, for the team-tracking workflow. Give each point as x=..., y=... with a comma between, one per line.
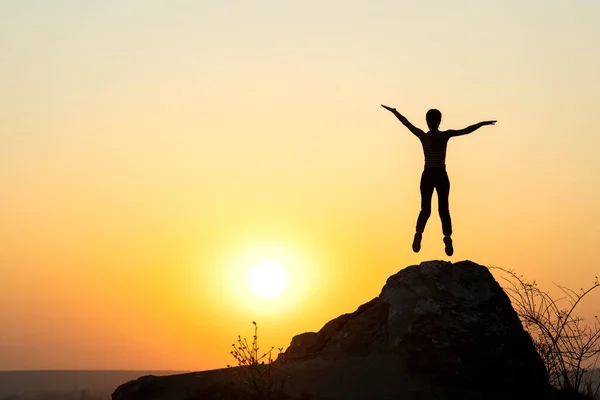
x=434, y=149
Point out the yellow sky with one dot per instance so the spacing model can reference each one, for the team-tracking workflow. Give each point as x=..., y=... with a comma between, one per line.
x=152, y=151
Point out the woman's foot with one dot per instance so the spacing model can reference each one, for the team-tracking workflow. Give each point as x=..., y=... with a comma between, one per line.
x=417, y=242
x=448, y=242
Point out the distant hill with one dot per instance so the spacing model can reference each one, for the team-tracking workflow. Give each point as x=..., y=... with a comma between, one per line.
x=27, y=382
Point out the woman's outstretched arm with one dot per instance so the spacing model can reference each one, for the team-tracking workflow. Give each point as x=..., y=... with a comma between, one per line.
x=416, y=131
x=469, y=129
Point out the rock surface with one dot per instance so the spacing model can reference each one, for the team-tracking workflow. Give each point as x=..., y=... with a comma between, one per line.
x=437, y=331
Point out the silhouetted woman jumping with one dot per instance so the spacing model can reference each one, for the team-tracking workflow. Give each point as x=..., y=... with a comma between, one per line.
x=434, y=175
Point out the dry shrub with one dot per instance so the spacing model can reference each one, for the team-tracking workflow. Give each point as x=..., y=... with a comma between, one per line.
x=260, y=374
x=568, y=346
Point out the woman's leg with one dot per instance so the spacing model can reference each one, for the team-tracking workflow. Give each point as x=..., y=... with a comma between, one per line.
x=426, y=187
x=443, y=191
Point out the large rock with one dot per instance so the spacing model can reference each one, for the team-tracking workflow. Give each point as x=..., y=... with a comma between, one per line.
x=450, y=321
x=437, y=331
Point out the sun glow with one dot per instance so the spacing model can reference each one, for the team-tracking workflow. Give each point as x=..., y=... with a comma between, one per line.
x=268, y=279
x=261, y=280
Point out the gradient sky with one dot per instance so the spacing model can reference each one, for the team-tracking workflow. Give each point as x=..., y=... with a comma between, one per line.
x=152, y=151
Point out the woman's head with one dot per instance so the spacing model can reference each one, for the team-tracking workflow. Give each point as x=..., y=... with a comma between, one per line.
x=433, y=118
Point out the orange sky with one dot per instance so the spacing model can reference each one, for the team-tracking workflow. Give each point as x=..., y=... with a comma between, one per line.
x=150, y=153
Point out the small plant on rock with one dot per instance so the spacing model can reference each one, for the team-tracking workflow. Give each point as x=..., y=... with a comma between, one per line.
x=260, y=374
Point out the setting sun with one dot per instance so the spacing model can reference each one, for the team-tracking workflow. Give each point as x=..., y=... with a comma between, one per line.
x=268, y=279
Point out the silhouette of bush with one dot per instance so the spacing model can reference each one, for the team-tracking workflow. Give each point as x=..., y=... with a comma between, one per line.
x=568, y=347
x=260, y=375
